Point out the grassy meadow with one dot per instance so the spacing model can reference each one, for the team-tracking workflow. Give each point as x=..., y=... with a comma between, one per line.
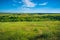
x=29, y=26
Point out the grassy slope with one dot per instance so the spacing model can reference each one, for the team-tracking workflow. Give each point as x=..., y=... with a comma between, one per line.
x=30, y=30
x=39, y=30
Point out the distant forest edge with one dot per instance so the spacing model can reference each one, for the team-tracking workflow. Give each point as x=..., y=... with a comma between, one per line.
x=11, y=17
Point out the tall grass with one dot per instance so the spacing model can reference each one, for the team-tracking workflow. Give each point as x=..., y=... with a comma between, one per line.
x=43, y=30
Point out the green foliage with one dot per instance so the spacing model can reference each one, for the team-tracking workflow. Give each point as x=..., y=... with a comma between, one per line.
x=28, y=17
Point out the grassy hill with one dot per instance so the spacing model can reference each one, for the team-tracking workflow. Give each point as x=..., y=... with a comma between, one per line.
x=29, y=26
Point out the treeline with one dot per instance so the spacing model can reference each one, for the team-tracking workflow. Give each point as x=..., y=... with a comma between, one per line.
x=22, y=17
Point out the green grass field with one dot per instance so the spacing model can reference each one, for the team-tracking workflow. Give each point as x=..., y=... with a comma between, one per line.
x=30, y=30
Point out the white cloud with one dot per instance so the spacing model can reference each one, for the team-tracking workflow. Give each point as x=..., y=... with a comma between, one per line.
x=28, y=3
x=45, y=3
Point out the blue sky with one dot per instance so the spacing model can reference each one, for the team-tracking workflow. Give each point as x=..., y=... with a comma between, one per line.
x=30, y=6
